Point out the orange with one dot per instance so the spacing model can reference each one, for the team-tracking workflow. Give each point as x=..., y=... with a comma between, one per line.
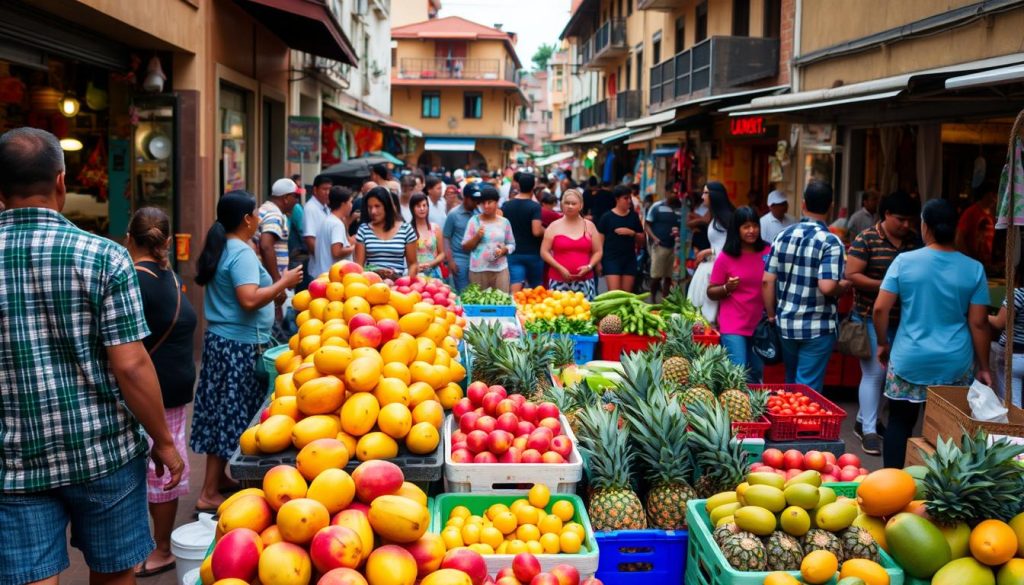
x=552, y=543
x=819, y=567
x=460, y=512
x=471, y=533
x=539, y=496
x=428, y=411
x=356, y=290
x=550, y=524
x=491, y=536
x=505, y=522
x=527, y=515
x=885, y=492
x=780, y=578
x=570, y=543
x=452, y=538
x=354, y=277
x=422, y=439
x=395, y=420
x=528, y=532
x=564, y=510
x=494, y=510
x=534, y=547
x=993, y=542
x=456, y=522
x=575, y=527
x=515, y=547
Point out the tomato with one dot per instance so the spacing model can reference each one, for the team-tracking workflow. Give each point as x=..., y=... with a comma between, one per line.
x=786, y=412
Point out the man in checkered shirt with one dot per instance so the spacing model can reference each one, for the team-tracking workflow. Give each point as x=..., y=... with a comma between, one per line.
x=802, y=284
x=75, y=383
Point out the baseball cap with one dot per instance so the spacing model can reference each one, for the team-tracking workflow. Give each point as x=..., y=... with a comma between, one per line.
x=459, y=174
x=471, y=190
x=776, y=198
x=283, y=187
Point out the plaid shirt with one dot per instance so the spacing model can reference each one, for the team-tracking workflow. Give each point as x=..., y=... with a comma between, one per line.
x=65, y=296
x=801, y=255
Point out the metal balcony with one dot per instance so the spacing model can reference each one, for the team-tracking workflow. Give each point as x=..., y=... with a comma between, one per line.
x=629, y=105
x=658, y=4
x=605, y=45
x=713, y=66
x=452, y=68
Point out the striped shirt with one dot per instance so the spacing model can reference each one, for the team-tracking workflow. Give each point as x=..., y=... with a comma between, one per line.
x=802, y=255
x=1018, y=321
x=273, y=221
x=873, y=246
x=386, y=253
x=65, y=296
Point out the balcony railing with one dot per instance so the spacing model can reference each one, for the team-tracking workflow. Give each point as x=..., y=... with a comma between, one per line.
x=713, y=66
x=629, y=105
x=609, y=41
x=454, y=68
x=657, y=4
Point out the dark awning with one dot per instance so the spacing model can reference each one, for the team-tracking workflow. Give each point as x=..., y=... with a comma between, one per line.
x=305, y=25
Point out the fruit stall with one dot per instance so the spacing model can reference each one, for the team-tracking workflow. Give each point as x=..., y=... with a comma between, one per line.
x=411, y=436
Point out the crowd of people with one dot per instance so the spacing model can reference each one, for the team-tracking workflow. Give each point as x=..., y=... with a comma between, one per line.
x=97, y=338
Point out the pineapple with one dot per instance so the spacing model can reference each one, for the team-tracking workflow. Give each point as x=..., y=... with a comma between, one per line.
x=564, y=350
x=679, y=349
x=614, y=505
x=571, y=400
x=784, y=552
x=818, y=539
x=738, y=404
x=696, y=394
x=973, y=481
x=722, y=461
x=858, y=544
x=745, y=553
x=610, y=325
x=758, y=403
x=723, y=531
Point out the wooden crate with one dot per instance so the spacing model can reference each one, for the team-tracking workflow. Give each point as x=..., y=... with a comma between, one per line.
x=947, y=410
x=917, y=448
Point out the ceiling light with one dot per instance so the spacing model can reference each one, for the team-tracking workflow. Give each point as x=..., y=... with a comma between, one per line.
x=71, y=144
x=69, y=105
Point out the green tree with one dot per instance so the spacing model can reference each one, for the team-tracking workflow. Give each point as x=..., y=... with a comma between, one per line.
x=542, y=56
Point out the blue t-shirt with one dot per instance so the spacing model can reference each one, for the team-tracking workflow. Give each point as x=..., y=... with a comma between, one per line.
x=238, y=266
x=935, y=289
x=455, y=229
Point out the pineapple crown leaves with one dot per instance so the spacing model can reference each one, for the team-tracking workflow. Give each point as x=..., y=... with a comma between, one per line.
x=641, y=377
x=679, y=338
x=563, y=350
x=973, y=482
x=758, y=402
x=658, y=430
x=611, y=459
x=718, y=456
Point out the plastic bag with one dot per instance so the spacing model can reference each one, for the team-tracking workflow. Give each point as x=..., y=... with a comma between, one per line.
x=985, y=405
x=767, y=342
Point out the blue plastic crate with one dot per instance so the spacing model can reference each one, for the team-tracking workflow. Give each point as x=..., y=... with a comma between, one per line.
x=489, y=310
x=642, y=557
x=586, y=346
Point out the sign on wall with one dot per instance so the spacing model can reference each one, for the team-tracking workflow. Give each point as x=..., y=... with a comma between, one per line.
x=304, y=139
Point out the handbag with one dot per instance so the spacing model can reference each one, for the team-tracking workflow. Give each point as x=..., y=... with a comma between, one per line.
x=767, y=342
x=853, y=338
x=177, y=309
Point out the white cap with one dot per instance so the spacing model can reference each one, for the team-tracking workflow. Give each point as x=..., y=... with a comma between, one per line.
x=776, y=198
x=283, y=187
x=459, y=174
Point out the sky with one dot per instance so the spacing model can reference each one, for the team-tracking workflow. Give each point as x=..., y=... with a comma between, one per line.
x=536, y=22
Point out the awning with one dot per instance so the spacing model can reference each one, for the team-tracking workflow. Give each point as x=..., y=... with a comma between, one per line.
x=622, y=133
x=305, y=25
x=554, y=158
x=659, y=118
x=450, y=144
x=369, y=118
x=665, y=151
x=1000, y=76
x=645, y=136
x=387, y=156
x=402, y=127
x=600, y=136
x=816, y=105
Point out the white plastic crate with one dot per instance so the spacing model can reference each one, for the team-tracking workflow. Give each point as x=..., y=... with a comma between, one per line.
x=509, y=478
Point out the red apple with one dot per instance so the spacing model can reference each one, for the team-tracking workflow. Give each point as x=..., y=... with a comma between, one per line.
x=525, y=567
x=532, y=456
x=566, y=574
x=520, y=443
x=498, y=442
x=467, y=422
x=318, y=289
x=365, y=336
x=476, y=441
x=849, y=473
x=552, y=457
x=459, y=310
x=428, y=300
x=486, y=423
x=403, y=281
x=475, y=392
x=403, y=289
x=541, y=442
x=440, y=299
x=519, y=399
x=830, y=457
x=469, y=562
x=508, y=422
x=388, y=329
x=793, y=459
x=265, y=414
x=499, y=389
x=762, y=469
x=562, y=445
x=462, y=456
x=830, y=469
x=458, y=436
x=592, y=581
x=461, y=407
x=506, y=580
x=459, y=445
x=504, y=572
x=359, y=320
x=814, y=460
x=864, y=471
x=513, y=455
x=544, y=579
x=490, y=403
x=772, y=457
x=828, y=478
x=551, y=423
x=848, y=459
x=485, y=457
x=524, y=428
x=528, y=412
x=506, y=405
x=547, y=410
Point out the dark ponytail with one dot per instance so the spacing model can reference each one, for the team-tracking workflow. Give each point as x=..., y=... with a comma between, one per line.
x=231, y=211
x=941, y=219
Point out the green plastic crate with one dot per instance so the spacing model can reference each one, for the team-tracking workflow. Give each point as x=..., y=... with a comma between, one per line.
x=705, y=564
x=269, y=357
x=586, y=561
x=844, y=488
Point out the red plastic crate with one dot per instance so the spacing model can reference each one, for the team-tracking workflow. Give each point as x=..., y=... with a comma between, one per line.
x=613, y=345
x=710, y=337
x=825, y=427
x=752, y=430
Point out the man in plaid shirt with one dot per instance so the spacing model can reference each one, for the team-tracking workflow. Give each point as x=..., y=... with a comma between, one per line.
x=802, y=284
x=75, y=383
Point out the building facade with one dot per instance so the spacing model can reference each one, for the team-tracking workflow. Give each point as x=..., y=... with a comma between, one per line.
x=458, y=82
x=536, y=118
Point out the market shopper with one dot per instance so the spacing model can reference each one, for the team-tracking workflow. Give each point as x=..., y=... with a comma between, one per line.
x=998, y=323
x=238, y=305
x=977, y=226
x=454, y=230
x=870, y=256
x=777, y=218
x=314, y=213
x=720, y=211
x=437, y=205
x=548, y=215
x=864, y=217
x=735, y=283
x=172, y=323
x=572, y=249
x=802, y=284
x=526, y=268
x=383, y=243
x=662, y=226
x=943, y=336
x=622, y=233
x=429, y=241
x=489, y=241
x=272, y=239
x=332, y=241
x=77, y=383
x=452, y=198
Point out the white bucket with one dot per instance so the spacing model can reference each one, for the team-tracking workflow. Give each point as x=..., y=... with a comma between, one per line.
x=191, y=578
x=189, y=544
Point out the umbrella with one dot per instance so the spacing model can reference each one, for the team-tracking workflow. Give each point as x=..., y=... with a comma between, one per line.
x=357, y=168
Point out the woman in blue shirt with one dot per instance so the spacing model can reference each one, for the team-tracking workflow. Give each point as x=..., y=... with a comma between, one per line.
x=943, y=333
x=240, y=315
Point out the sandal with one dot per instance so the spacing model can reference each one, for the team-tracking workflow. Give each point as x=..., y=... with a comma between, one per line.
x=144, y=572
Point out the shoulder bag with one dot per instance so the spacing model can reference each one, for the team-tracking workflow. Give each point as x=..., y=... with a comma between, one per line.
x=853, y=338
x=177, y=309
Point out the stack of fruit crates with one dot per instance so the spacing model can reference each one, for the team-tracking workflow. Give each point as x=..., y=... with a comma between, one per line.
x=642, y=557
x=822, y=426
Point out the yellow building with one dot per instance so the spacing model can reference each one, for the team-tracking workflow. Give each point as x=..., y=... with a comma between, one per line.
x=457, y=81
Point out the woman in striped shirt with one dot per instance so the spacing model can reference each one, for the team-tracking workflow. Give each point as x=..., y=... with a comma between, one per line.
x=384, y=244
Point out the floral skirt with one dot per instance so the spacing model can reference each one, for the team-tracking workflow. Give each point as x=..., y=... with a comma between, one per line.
x=896, y=388
x=230, y=393
x=588, y=287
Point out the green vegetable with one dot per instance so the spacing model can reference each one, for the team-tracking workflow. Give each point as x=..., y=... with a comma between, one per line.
x=561, y=325
x=474, y=295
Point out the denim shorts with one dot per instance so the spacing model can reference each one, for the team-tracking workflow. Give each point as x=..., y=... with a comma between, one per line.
x=109, y=524
x=619, y=266
x=526, y=269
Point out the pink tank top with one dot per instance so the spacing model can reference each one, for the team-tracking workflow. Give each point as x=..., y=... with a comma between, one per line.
x=573, y=253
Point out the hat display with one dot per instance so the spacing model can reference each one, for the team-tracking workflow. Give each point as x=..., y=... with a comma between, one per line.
x=776, y=198
x=283, y=187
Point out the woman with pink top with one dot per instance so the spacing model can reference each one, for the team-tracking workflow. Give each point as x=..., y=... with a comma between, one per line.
x=572, y=249
x=735, y=282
